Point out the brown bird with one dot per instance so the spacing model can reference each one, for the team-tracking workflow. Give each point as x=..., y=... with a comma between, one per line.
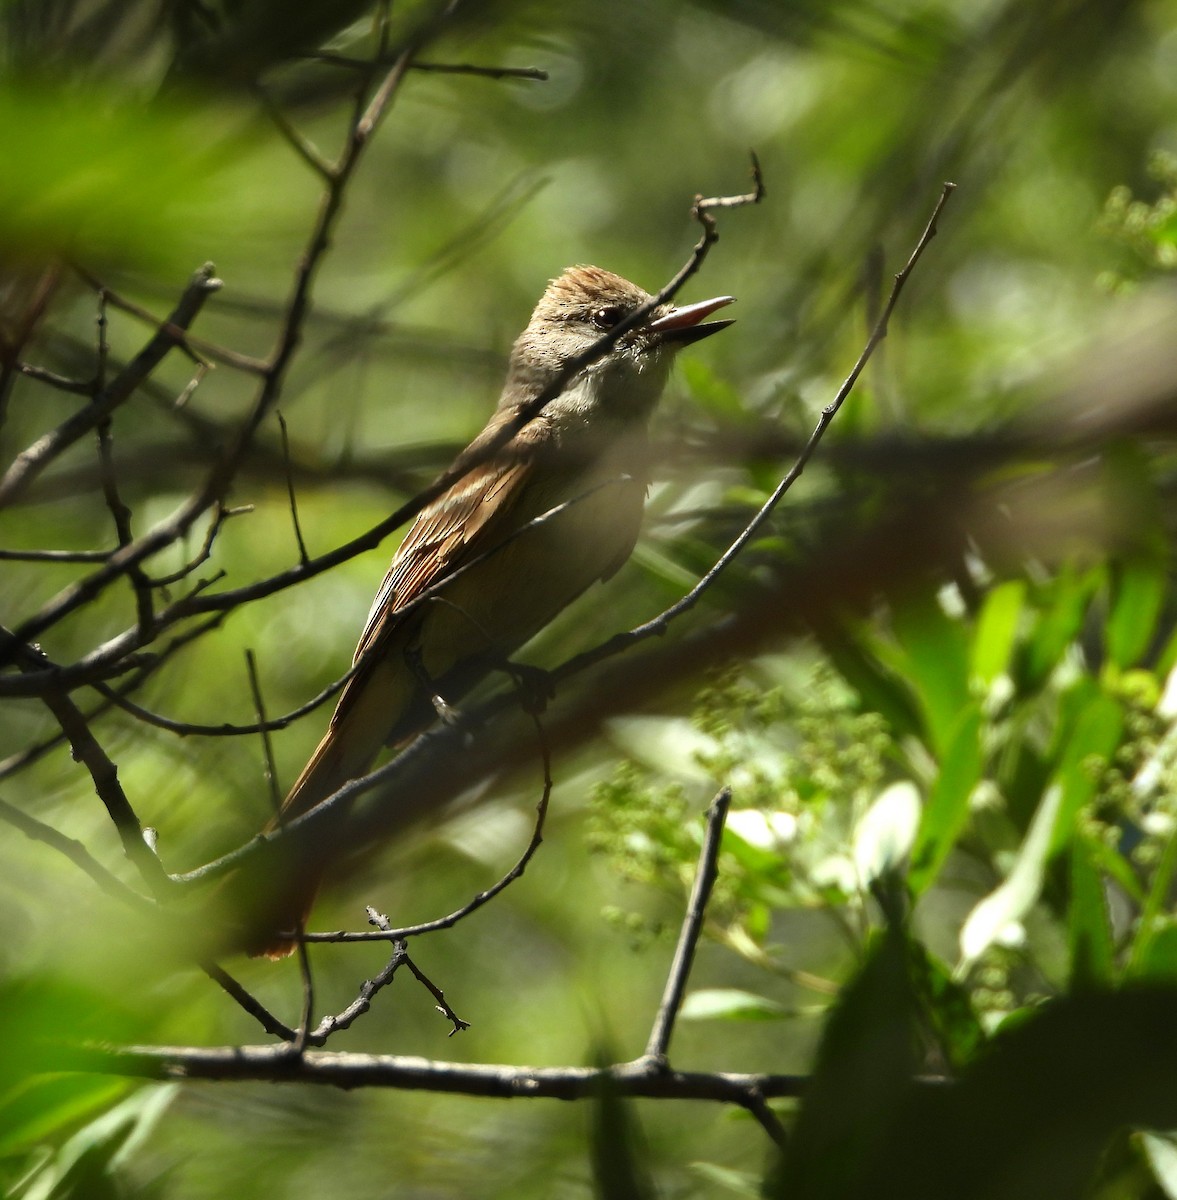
x=431, y=636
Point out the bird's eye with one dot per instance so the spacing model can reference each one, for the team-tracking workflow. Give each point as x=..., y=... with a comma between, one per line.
x=606, y=318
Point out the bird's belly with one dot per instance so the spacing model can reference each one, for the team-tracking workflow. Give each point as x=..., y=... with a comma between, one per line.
x=503, y=599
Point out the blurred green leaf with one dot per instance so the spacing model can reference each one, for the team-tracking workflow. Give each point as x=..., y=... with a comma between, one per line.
x=864, y=1068
x=936, y=663
x=40, y=1107
x=1095, y=731
x=1069, y=594
x=1154, y=956
x=716, y=396
x=84, y=1168
x=996, y=630
x=1139, y=587
x=946, y=811
x=730, y=1004
x=946, y=1007
x=1012, y=899
x=98, y=176
x=1089, y=928
x=1161, y=1150
x=880, y=689
x=1032, y=1116
x=618, y=1161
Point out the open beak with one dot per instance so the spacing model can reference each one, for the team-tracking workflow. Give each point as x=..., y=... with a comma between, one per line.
x=681, y=326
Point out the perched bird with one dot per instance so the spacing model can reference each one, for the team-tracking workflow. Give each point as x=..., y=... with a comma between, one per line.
x=431, y=634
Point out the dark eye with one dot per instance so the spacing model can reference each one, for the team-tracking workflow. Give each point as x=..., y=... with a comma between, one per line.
x=606, y=318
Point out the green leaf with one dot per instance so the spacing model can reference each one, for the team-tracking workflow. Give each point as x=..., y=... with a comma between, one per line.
x=738, y=1183
x=1094, y=735
x=1154, y=957
x=946, y=812
x=616, y=1147
x=730, y=1004
x=879, y=688
x=1138, y=590
x=884, y=835
x=996, y=630
x=716, y=396
x=1031, y=1118
x=863, y=1071
x=86, y=1163
x=947, y=1007
x=39, y=1107
x=1089, y=929
x=1015, y=896
x=97, y=176
x=1058, y=627
x=1161, y=1149
x=936, y=649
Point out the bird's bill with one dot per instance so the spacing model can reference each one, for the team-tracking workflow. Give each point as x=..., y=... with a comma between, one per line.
x=681, y=326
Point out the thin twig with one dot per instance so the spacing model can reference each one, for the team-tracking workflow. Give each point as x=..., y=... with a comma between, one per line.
x=75, y=387
x=55, y=556
x=259, y=707
x=363, y=1001
x=302, y=145
x=365, y=64
x=759, y=1108
x=303, y=556
x=307, y=1015
x=688, y=938
x=198, y=348
x=108, y=474
x=380, y=920
x=442, y=1006
x=18, y=762
x=249, y=1002
x=195, y=729
x=202, y=556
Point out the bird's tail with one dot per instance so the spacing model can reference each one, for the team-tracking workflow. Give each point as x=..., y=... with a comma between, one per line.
x=336, y=760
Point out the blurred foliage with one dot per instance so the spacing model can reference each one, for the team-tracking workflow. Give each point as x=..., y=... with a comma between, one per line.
x=941, y=683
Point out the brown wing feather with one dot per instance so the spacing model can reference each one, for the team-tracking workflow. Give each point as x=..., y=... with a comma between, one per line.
x=460, y=525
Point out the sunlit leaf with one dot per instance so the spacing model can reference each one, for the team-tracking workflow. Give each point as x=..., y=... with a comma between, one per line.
x=730, y=1004
x=997, y=626
x=1013, y=899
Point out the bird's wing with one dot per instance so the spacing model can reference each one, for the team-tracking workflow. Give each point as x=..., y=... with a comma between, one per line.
x=476, y=514
x=461, y=524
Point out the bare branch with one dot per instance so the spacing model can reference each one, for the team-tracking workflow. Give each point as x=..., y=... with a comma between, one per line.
x=274, y=1064
x=688, y=939
x=303, y=556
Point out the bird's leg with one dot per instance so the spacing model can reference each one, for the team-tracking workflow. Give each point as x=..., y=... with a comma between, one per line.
x=445, y=711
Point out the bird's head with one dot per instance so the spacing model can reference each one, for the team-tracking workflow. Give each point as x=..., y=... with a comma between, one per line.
x=576, y=309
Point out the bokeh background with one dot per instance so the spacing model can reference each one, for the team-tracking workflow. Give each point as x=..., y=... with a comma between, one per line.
x=1015, y=431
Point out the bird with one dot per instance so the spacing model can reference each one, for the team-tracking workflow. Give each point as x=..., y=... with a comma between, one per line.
x=496, y=556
